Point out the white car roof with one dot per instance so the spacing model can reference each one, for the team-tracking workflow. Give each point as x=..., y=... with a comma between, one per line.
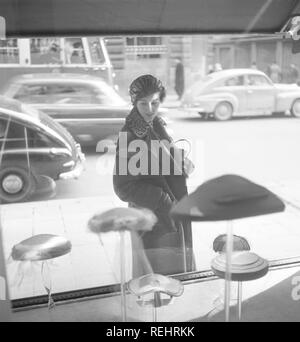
x=234, y=72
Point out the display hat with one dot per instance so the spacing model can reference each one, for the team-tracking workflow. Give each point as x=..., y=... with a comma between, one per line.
x=41, y=247
x=227, y=197
x=121, y=219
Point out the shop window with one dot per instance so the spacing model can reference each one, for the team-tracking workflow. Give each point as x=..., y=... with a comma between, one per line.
x=9, y=51
x=45, y=51
x=74, y=51
x=145, y=47
x=96, y=50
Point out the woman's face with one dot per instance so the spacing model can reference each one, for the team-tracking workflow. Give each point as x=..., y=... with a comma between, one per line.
x=148, y=106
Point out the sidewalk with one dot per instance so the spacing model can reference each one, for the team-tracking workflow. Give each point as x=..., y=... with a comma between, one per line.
x=90, y=264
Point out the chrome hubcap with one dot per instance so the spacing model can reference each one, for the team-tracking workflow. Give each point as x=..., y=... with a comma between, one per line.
x=296, y=108
x=223, y=111
x=12, y=184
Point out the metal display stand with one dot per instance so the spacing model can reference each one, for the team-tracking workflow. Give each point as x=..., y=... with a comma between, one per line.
x=121, y=220
x=43, y=247
x=5, y=305
x=227, y=198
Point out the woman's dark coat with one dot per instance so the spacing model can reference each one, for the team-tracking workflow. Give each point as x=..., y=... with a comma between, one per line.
x=164, y=244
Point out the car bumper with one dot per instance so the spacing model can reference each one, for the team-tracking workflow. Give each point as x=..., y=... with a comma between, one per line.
x=78, y=169
x=190, y=109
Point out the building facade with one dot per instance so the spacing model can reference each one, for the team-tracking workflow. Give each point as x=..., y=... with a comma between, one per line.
x=134, y=56
x=243, y=50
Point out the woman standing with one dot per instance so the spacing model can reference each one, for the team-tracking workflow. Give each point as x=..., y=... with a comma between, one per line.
x=168, y=246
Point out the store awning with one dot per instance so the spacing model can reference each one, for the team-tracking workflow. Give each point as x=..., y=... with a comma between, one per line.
x=114, y=17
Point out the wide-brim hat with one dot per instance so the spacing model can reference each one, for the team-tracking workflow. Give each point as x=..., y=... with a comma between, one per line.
x=121, y=219
x=227, y=197
x=41, y=247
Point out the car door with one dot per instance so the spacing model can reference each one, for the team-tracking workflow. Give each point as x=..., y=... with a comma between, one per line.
x=235, y=86
x=261, y=95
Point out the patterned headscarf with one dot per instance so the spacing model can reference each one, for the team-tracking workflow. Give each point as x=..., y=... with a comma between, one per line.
x=144, y=86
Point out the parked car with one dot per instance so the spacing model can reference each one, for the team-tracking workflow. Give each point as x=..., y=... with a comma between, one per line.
x=246, y=92
x=32, y=145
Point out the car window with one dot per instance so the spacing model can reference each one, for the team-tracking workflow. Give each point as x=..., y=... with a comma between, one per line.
x=32, y=93
x=57, y=93
x=107, y=95
x=15, y=137
x=3, y=127
x=38, y=139
x=257, y=80
x=69, y=93
x=234, y=81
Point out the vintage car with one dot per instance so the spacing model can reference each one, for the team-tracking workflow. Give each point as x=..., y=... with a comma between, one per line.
x=245, y=92
x=33, y=147
x=87, y=106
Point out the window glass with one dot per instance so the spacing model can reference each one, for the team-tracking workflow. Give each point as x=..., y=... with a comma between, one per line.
x=96, y=51
x=38, y=139
x=45, y=51
x=234, y=81
x=74, y=51
x=32, y=93
x=9, y=51
x=257, y=80
x=56, y=93
x=144, y=47
x=86, y=108
x=3, y=127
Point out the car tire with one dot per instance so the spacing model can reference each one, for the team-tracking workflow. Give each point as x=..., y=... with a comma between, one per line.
x=223, y=111
x=16, y=184
x=295, y=110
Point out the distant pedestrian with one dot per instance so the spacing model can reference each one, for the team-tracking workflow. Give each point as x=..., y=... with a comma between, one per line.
x=218, y=67
x=179, y=78
x=274, y=72
x=254, y=66
x=210, y=69
x=293, y=74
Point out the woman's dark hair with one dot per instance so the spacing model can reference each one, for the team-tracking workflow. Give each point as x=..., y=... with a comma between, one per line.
x=146, y=85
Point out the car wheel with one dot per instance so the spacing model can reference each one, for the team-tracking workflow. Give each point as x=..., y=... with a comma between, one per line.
x=223, y=111
x=16, y=184
x=295, y=110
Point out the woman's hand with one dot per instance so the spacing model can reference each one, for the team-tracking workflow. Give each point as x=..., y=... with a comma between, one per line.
x=164, y=206
x=188, y=166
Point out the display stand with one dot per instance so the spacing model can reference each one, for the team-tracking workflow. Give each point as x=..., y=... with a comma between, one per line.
x=155, y=285
x=42, y=248
x=121, y=220
x=5, y=306
x=227, y=198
